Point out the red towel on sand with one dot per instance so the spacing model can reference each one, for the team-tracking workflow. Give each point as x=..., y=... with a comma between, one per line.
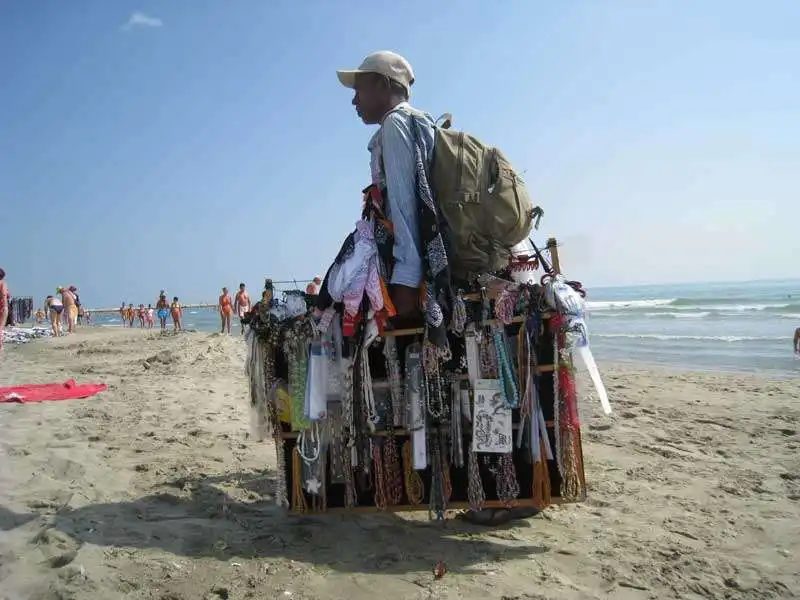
x=50, y=391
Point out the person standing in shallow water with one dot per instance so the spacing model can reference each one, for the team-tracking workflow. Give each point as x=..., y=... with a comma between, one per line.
x=177, y=314
x=797, y=341
x=225, y=306
x=241, y=304
x=162, y=309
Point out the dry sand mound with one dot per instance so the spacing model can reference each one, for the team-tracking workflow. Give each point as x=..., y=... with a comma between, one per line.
x=151, y=491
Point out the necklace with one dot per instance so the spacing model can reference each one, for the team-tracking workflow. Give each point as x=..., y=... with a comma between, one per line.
x=380, y=478
x=459, y=319
x=395, y=376
x=508, y=385
x=415, y=401
x=394, y=475
x=415, y=488
x=456, y=436
x=438, y=501
x=487, y=356
x=371, y=414
x=434, y=402
x=506, y=479
x=475, y=491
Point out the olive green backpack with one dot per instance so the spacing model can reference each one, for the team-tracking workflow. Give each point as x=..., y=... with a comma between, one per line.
x=483, y=200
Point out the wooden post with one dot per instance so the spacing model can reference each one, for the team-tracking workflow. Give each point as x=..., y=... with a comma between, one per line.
x=555, y=262
x=552, y=246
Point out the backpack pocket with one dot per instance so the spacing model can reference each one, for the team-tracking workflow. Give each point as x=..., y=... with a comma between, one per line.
x=507, y=208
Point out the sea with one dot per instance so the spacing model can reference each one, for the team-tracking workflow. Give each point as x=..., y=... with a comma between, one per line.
x=745, y=327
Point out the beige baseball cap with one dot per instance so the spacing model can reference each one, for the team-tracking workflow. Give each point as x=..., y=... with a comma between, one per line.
x=390, y=64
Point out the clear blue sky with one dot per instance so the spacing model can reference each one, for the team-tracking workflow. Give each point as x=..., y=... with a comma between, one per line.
x=209, y=141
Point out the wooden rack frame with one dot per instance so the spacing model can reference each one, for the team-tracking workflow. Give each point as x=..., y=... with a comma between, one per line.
x=291, y=436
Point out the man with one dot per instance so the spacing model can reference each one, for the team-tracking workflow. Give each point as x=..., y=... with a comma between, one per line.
x=797, y=341
x=241, y=304
x=382, y=86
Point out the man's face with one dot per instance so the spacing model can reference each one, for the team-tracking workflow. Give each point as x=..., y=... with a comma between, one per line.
x=241, y=288
x=370, y=97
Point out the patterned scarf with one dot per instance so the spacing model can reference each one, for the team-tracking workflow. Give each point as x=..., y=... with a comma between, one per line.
x=438, y=288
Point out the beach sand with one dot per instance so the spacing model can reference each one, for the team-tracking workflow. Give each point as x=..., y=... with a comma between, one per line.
x=153, y=491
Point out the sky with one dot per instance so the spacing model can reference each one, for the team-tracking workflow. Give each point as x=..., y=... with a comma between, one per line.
x=189, y=144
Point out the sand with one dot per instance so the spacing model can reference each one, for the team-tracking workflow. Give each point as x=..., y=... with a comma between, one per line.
x=152, y=490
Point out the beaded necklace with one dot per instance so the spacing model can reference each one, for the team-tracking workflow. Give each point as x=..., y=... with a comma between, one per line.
x=434, y=401
x=456, y=436
x=508, y=385
x=438, y=497
x=395, y=377
x=391, y=460
x=475, y=491
x=487, y=356
x=380, y=477
x=459, y=319
x=415, y=399
x=415, y=488
x=506, y=479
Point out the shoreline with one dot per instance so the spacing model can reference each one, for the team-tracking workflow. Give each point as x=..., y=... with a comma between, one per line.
x=153, y=490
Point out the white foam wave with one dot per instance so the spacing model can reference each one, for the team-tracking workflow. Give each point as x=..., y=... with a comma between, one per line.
x=795, y=316
x=702, y=338
x=632, y=304
x=678, y=315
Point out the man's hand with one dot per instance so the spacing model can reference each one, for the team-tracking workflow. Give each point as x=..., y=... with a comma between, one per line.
x=405, y=299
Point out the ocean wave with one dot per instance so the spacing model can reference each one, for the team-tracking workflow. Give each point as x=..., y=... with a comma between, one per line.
x=687, y=305
x=696, y=338
x=678, y=315
x=629, y=304
x=795, y=316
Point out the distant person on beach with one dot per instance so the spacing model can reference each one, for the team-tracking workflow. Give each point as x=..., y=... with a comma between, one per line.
x=150, y=316
x=79, y=314
x=122, y=313
x=130, y=315
x=176, y=311
x=142, y=314
x=225, y=307
x=241, y=304
x=797, y=341
x=312, y=289
x=162, y=309
x=87, y=317
x=54, y=307
x=4, y=294
x=70, y=308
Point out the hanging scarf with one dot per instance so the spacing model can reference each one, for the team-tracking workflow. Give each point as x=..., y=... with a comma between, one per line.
x=438, y=289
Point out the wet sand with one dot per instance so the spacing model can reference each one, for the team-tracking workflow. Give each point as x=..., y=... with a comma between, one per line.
x=153, y=491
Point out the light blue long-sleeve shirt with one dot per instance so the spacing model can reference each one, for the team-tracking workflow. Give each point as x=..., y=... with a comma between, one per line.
x=393, y=148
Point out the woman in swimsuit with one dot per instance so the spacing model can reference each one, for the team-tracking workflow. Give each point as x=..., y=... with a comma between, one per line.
x=150, y=314
x=225, y=310
x=162, y=309
x=142, y=314
x=130, y=315
x=177, y=314
x=55, y=307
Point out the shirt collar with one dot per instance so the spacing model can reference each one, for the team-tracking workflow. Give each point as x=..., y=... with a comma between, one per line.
x=374, y=139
